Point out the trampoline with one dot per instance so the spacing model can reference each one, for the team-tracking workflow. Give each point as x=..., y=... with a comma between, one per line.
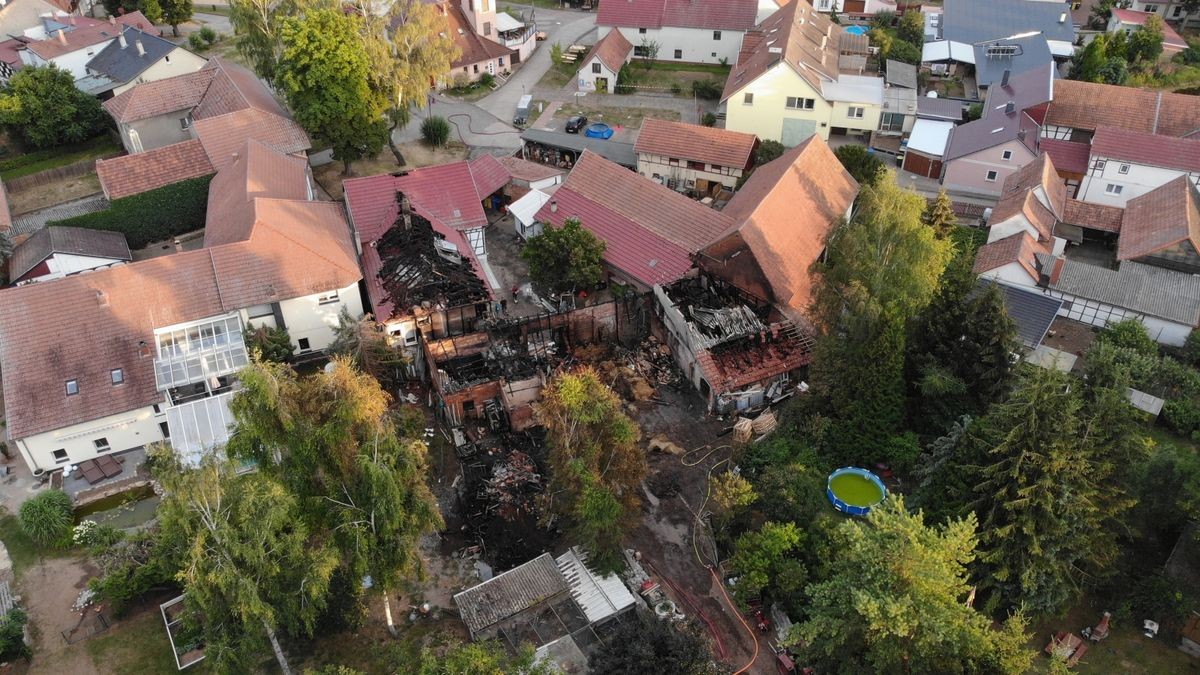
x=854, y=491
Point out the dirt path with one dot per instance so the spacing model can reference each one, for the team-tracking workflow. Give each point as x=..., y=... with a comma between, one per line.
x=50, y=588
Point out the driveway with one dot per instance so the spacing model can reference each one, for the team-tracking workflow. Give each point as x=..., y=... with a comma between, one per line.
x=564, y=27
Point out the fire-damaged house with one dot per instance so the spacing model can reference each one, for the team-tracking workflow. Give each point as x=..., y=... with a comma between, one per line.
x=738, y=329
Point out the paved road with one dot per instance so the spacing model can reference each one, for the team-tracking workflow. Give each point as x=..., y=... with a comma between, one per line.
x=564, y=27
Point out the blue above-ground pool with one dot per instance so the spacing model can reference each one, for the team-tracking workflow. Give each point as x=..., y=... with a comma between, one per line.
x=857, y=30
x=854, y=491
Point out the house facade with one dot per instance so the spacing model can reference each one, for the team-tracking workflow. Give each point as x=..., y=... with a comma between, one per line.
x=693, y=31
x=136, y=57
x=164, y=340
x=693, y=158
x=799, y=77
x=1126, y=164
x=601, y=66
x=1172, y=11
x=55, y=251
x=483, y=50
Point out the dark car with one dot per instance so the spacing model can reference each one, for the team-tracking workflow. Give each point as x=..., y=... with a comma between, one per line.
x=576, y=124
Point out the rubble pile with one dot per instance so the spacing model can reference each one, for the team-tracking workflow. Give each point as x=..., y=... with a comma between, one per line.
x=513, y=486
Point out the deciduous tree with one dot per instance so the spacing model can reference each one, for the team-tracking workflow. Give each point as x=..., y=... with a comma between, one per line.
x=257, y=24
x=325, y=72
x=765, y=560
x=894, y=602
x=175, y=12
x=365, y=342
x=596, y=464
x=1146, y=43
x=911, y=27
x=41, y=105
x=861, y=164
x=565, y=258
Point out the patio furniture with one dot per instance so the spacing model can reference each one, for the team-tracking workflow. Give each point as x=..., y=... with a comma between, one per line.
x=91, y=471
x=1068, y=646
x=108, y=465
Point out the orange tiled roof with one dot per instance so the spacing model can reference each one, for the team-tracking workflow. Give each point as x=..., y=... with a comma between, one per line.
x=613, y=50
x=1163, y=217
x=133, y=174
x=696, y=143
x=1088, y=105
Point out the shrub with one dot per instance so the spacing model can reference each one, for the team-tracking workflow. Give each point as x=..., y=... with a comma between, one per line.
x=47, y=517
x=1191, y=348
x=272, y=344
x=208, y=35
x=91, y=534
x=460, y=81
x=676, y=88
x=706, y=89
x=1130, y=334
x=861, y=163
x=905, y=52
x=767, y=151
x=196, y=42
x=12, y=635
x=487, y=80
x=708, y=120
x=154, y=215
x=435, y=130
x=1182, y=416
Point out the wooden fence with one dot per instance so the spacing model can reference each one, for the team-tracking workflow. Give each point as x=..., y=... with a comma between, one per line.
x=74, y=170
x=964, y=210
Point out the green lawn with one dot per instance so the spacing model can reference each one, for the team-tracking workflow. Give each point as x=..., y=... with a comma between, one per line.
x=223, y=10
x=52, y=158
x=21, y=549
x=137, y=646
x=671, y=66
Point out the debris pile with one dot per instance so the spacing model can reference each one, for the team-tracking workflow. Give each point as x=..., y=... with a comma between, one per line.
x=514, y=485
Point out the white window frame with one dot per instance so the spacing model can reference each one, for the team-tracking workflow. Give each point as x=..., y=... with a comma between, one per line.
x=117, y=375
x=852, y=110
x=102, y=445
x=1006, y=155
x=328, y=298
x=991, y=176
x=1113, y=189
x=1123, y=170
x=60, y=460
x=72, y=387
x=799, y=103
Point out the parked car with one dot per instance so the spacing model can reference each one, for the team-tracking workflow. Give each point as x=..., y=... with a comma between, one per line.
x=576, y=124
x=599, y=130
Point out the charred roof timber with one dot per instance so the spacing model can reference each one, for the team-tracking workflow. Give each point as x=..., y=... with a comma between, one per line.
x=419, y=267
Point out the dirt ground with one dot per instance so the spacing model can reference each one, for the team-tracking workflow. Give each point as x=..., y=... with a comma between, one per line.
x=42, y=196
x=416, y=154
x=49, y=589
x=617, y=117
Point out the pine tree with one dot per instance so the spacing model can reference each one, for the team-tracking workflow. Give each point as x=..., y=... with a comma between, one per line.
x=940, y=215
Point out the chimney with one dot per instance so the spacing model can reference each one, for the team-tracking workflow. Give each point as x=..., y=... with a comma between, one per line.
x=101, y=298
x=140, y=48
x=62, y=37
x=121, y=40
x=553, y=206
x=143, y=349
x=1010, y=108
x=1004, y=77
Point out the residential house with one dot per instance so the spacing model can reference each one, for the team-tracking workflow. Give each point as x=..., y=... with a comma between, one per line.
x=1172, y=11
x=982, y=154
x=1036, y=227
x=604, y=62
x=73, y=43
x=799, y=74
x=26, y=18
x=650, y=230
x=472, y=24
x=529, y=188
x=1010, y=31
x=738, y=329
x=695, y=31
x=133, y=58
x=693, y=158
x=1079, y=108
x=163, y=341
x=192, y=125
x=53, y=252
x=420, y=237
x=1126, y=164
x=899, y=99
x=1128, y=20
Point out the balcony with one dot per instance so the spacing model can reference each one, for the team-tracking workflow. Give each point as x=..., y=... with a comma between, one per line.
x=201, y=352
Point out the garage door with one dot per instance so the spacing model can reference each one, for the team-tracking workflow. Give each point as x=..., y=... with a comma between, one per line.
x=796, y=132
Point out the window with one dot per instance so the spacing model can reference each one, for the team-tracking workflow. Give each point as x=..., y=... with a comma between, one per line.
x=798, y=103
x=641, y=51
x=1150, y=8
x=1177, y=12
x=641, y=31
x=164, y=429
x=327, y=298
x=695, y=166
x=679, y=53
x=185, y=123
x=303, y=342
x=487, y=28
x=855, y=112
x=476, y=67
x=716, y=35
x=1007, y=155
x=991, y=177
x=167, y=58
x=596, y=68
x=1100, y=164
x=1124, y=169
x=72, y=387
x=60, y=456
x=118, y=375
x=748, y=99
x=891, y=122
x=101, y=445
x=259, y=311
x=500, y=61
x=1113, y=189
x=157, y=408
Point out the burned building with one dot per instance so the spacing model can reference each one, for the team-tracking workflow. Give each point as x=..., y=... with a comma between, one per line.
x=736, y=349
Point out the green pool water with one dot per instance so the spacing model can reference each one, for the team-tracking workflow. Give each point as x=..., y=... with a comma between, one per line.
x=855, y=490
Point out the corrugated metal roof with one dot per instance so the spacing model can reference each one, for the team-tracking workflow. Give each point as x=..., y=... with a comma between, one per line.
x=509, y=593
x=599, y=596
x=621, y=153
x=1144, y=289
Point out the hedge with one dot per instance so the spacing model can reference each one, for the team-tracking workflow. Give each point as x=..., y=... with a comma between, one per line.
x=155, y=215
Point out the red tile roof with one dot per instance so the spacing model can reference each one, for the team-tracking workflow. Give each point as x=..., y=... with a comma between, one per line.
x=613, y=50
x=696, y=143
x=523, y=169
x=256, y=171
x=784, y=213
x=489, y=176
x=1018, y=248
x=472, y=47
x=1171, y=39
x=133, y=174
x=1093, y=216
x=1088, y=105
x=219, y=88
x=707, y=14
x=1160, y=218
x=222, y=136
x=1148, y=149
x=809, y=42
x=1068, y=156
x=87, y=33
x=734, y=369
x=296, y=249
x=1021, y=192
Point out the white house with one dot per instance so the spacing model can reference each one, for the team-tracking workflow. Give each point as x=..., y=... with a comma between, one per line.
x=1174, y=11
x=1128, y=21
x=163, y=338
x=695, y=31
x=73, y=41
x=600, y=67
x=133, y=58
x=1127, y=164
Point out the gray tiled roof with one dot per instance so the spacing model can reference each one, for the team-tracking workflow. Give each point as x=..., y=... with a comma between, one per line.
x=513, y=591
x=69, y=240
x=1144, y=289
x=1032, y=53
x=972, y=21
x=124, y=64
x=901, y=74
x=1032, y=311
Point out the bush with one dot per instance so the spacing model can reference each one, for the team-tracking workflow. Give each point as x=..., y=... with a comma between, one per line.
x=1129, y=334
x=12, y=635
x=768, y=150
x=435, y=130
x=196, y=42
x=861, y=163
x=47, y=517
x=1191, y=348
x=905, y=52
x=487, y=80
x=676, y=88
x=1182, y=416
x=154, y=215
x=709, y=119
x=91, y=534
x=272, y=343
x=706, y=89
x=460, y=81
x=208, y=35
